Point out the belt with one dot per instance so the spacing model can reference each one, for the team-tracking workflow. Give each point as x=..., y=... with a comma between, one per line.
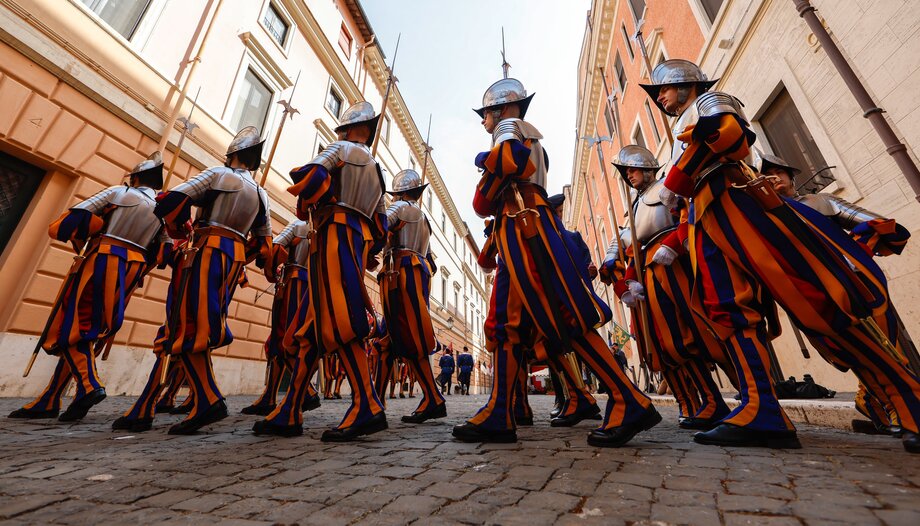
x=213, y=230
x=118, y=242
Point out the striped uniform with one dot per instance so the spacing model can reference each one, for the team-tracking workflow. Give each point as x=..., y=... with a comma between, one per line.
x=750, y=249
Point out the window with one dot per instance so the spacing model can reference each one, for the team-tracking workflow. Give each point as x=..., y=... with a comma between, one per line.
x=443, y=223
x=790, y=139
x=18, y=182
x=638, y=137
x=123, y=15
x=428, y=197
x=411, y=163
x=627, y=43
x=651, y=119
x=608, y=116
x=252, y=103
x=385, y=130
x=334, y=102
x=275, y=24
x=621, y=73
x=444, y=290
x=638, y=8
x=345, y=41
x=594, y=189
x=712, y=8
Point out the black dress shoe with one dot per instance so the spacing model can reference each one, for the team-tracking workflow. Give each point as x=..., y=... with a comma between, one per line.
x=417, y=417
x=22, y=412
x=472, y=433
x=163, y=408
x=737, y=436
x=183, y=409
x=338, y=396
x=260, y=409
x=79, y=408
x=896, y=431
x=525, y=421
x=264, y=427
x=373, y=425
x=867, y=427
x=139, y=425
x=212, y=414
x=557, y=410
x=911, y=442
x=619, y=436
x=700, y=424
x=310, y=403
x=576, y=417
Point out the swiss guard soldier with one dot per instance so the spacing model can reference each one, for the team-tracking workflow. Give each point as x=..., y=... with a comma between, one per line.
x=447, y=365
x=679, y=339
x=875, y=234
x=405, y=288
x=231, y=208
x=750, y=247
x=341, y=191
x=465, y=363
x=290, y=250
x=539, y=294
x=124, y=239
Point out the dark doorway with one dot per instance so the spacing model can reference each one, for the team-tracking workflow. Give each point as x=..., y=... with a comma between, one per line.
x=18, y=182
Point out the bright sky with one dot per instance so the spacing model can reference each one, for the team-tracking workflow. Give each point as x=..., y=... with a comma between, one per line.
x=450, y=53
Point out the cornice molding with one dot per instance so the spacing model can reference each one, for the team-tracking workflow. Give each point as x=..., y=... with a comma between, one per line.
x=265, y=58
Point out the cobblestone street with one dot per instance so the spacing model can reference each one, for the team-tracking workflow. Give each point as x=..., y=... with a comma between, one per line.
x=52, y=473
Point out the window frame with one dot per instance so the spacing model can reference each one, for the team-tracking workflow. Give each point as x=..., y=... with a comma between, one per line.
x=34, y=177
x=233, y=101
x=622, y=71
x=333, y=88
x=651, y=117
x=345, y=32
x=285, y=18
x=98, y=17
x=627, y=42
x=632, y=9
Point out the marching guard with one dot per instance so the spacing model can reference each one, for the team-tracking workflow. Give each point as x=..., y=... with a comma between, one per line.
x=120, y=239
x=750, y=248
x=539, y=293
x=405, y=289
x=341, y=192
x=681, y=344
x=232, y=226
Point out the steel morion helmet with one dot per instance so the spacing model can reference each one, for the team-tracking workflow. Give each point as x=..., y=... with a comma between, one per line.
x=245, y=139
x=676, y=72
x=768, y=161
x=406, y=181
x=635, y=156
x=505, y=91
x=360, y=113
x=149, y=171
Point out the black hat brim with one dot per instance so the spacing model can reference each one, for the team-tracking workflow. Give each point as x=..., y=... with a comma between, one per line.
x=370, y=122
x=152, y=177
x=524, y=104
x=654, y=90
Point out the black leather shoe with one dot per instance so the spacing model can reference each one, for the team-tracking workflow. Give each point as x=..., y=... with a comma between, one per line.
x=373, y=425
x=472, y=433
x=22, y=412
x=164, y=408
x=911, y=442
x=525, y=421
x=261, y=410
x=140, y=425
x=310, y=403
x=212, y=414
x=700, y=424
x=737, y=436
x=619, y=436
x=417, y=417
x=576, y=417
x=264, y=427
x=557, y=410
x=183, y=409
x=79, y=408
x=867, y=427
x=896, y=431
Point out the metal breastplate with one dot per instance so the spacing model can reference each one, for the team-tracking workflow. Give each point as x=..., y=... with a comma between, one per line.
x=522, y=130
x=415, y=232
x=235, y=203
x=690, y=116
x=300, y=255
x=651, y=215
x=132, y=219
x=358, y=184
x=844, y=213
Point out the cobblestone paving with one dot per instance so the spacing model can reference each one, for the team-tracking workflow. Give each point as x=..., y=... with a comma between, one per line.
x=54, y=473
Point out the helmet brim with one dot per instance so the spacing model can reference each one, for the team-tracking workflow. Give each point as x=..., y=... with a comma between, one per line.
x=766, y=165
x=420, y=187
x=622, y=169
x=523, y=104
x=370, y=122
x=152, y=177
x=654, y=90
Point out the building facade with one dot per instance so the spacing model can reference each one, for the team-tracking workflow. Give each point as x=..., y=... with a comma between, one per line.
x=89, y=88
x=799, y=106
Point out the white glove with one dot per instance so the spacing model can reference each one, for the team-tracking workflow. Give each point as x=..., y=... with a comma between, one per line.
x=664, y=256
x=668, y=198
x=635, y=293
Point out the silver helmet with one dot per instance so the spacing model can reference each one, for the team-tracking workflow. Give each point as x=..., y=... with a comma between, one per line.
x=149, y=171
x=717, y=103
x=635, y=156
x=246, y=138
x=505, y=91
x=676, y=72
x=406, y=181
x=359, y=113
x=768, y=161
